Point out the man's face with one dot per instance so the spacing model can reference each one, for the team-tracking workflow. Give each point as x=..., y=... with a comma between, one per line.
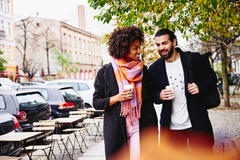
x=165, y=46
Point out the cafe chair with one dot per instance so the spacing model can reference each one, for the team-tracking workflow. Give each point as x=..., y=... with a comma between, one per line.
x=77, y=132
x=90, y=123
x=46, y=129
x=58, y=138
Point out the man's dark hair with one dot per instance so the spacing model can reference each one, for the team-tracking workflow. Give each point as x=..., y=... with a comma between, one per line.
x=165, y=31
x=121, y=39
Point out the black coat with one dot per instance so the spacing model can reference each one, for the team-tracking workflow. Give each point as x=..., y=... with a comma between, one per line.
x=203, y=77
x=115, y=135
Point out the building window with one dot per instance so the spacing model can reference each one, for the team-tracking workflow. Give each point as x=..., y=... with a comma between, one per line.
x=70, y=41
x=89, y=48
x=75, y=42
x=11, y=53
x=85, y=75
x=82, y=75
x=80, y=44
x=9, y=29
x=8, y=6
x=2, y=5
x=90, y=76
x=84, y=44
x=79, y=57
x=2, y=25
x=64, y=39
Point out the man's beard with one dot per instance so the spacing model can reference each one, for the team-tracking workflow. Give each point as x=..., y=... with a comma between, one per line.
x=169, y=54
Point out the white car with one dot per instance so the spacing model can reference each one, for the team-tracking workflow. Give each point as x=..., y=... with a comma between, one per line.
x=84, y=87
x=6, y=82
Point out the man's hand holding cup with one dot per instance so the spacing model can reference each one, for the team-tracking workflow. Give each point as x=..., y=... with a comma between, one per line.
x=167, y=93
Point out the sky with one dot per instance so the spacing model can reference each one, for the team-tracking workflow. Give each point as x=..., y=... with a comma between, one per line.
x=64, y=10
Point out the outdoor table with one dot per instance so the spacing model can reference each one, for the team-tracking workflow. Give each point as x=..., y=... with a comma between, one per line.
x=67, y=120
x=80, y=113
x=9, y=158
x=88, y=111
x=70, y=121
x=22, y=137
x=91, y=110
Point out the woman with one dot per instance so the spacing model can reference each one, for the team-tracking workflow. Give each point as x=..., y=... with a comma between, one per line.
x=126, y=110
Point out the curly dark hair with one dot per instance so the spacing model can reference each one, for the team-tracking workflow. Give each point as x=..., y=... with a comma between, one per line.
x=121, y=39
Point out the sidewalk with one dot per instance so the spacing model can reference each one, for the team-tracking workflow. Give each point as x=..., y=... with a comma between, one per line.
x=94, y=153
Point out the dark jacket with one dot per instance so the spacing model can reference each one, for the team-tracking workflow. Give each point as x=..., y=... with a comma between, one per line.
x=203, y=77
x=115, y=135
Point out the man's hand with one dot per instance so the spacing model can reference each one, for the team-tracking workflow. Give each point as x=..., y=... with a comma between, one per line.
x=193, y=88
x=166, y=94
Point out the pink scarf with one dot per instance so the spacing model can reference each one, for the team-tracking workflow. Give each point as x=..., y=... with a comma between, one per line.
x=129, y=73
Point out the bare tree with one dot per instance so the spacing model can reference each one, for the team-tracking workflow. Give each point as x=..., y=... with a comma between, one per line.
x=48, y=38
x=25, y=39
x=32, y=68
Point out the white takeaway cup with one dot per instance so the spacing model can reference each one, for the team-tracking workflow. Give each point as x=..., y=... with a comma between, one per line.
x=128, y=86
x=170, y=87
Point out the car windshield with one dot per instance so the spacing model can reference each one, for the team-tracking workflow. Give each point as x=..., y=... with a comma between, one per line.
x=69, y=94
x=71, y=84
x=42, y=91
x=31, y=99
x=83, y=86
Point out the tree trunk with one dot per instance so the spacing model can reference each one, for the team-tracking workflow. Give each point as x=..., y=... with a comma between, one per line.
x=225, y=77
x=48, y=67
x=24, y=53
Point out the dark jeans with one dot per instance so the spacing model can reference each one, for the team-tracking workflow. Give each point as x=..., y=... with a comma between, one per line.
x=188, y=137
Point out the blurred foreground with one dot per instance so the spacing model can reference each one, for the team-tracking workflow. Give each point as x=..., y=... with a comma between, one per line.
x=169, y=152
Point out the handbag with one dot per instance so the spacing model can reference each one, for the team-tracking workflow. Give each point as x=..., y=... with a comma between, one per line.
x=212, y=98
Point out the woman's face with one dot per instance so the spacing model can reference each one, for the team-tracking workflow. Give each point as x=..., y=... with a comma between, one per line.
x=134, y=52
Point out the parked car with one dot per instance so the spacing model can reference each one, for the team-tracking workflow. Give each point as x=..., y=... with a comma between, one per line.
x=26, y=106
x=62, y=99
x=33, y=83
x=83, y=87
x=8, y=82
x=9, y=123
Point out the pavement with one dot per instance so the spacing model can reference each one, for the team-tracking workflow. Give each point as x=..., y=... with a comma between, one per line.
x=94, y=153
x=95, y=150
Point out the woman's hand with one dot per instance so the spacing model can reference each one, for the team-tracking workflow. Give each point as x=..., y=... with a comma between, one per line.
x=124, y=95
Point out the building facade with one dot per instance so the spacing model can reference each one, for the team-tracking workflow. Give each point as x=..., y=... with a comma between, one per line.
x=85, y=50
x=236, y=58
x=7, y=43
x=82, y=48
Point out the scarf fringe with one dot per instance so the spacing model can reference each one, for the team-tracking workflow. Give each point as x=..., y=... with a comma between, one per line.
x=132, y=111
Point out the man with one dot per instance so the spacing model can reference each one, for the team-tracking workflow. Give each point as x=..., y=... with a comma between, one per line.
x=183, y=116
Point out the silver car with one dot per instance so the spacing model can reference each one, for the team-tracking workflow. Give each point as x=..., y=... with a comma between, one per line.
x=83, y=87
